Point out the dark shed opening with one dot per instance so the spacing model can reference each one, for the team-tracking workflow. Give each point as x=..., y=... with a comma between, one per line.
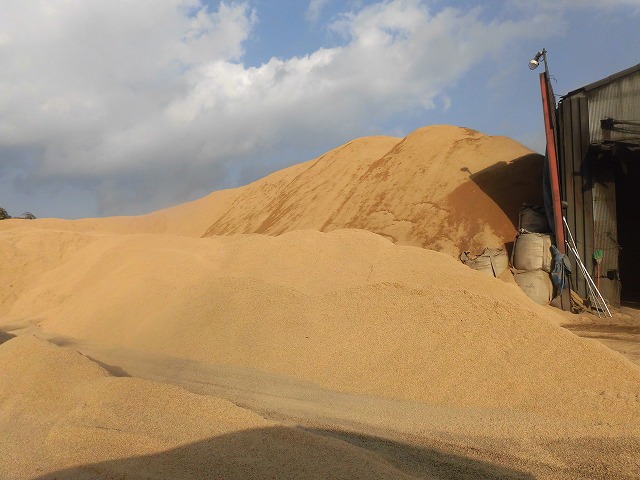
x=627, y=180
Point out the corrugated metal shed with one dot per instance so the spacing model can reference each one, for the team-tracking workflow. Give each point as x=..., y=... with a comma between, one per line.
x=598, y=132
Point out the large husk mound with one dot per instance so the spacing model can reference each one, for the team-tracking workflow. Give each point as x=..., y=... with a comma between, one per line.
x=316, y=275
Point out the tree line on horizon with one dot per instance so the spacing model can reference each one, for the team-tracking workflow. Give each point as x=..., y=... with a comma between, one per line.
x=4, y=215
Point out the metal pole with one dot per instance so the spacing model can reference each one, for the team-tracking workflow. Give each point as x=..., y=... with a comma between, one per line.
x=598, y=298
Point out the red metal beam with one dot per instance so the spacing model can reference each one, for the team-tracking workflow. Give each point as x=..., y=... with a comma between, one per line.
x=549, y=109
x=549, y=123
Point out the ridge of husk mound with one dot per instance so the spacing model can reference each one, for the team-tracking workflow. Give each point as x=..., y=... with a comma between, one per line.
x=348, y=310
x=442, y=187
x=63, y=416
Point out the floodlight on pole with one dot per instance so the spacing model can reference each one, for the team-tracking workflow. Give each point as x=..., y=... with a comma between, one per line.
x=535, y=61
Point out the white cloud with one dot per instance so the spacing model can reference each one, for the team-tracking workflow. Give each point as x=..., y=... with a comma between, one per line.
x=148, y=100
x=558, y=5
x=314, y=10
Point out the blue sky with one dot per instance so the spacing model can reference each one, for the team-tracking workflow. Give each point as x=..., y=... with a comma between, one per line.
x=114, y=107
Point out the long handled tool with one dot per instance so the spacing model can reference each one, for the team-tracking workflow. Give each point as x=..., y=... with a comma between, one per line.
x=597, y=256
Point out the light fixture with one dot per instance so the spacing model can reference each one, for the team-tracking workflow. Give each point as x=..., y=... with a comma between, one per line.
x=535, y=61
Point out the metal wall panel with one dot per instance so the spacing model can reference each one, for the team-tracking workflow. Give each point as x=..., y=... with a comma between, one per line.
x=619, y=100
x=575, y=177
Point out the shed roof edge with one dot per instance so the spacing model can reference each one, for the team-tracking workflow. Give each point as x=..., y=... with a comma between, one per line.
x=604, y=81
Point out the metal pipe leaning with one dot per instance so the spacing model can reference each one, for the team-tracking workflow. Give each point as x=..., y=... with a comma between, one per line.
x=598, y=298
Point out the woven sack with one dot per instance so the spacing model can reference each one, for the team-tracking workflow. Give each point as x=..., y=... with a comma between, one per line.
x=492, y=261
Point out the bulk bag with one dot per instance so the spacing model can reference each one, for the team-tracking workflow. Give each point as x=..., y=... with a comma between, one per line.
x=533, y=218
x=536, y=285
x=532, y=251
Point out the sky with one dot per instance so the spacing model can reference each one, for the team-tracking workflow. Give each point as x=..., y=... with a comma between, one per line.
x=123, y=107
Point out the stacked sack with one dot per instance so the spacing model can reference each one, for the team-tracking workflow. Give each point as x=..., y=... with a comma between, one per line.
x=531, y=257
